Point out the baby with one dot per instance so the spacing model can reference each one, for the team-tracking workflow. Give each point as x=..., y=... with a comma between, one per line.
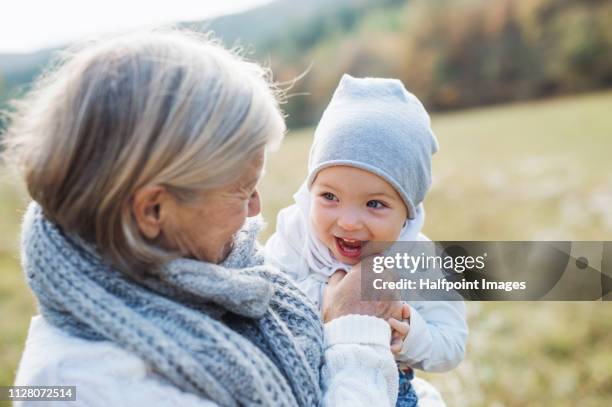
x=368, y=173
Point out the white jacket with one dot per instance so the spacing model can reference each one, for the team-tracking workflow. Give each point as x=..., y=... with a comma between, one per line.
x=359, y=370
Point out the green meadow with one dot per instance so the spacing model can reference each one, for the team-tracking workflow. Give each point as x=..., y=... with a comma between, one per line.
x=530, y=171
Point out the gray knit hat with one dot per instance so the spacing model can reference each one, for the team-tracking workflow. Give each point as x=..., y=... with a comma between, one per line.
x=376, y=125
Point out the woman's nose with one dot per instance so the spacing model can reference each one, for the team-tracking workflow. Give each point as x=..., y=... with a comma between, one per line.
x=349, y=221
x=254, y=204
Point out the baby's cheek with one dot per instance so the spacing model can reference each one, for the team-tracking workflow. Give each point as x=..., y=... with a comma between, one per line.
x=320, y=221
x=386, y=230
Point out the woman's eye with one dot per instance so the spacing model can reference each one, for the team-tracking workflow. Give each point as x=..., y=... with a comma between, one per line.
x=375, y=204
x=329, y=196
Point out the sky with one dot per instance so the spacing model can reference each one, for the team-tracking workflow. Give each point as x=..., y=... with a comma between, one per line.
x=30, y=25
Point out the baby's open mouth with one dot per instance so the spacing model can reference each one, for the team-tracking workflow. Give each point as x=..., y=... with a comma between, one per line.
x=349, y=247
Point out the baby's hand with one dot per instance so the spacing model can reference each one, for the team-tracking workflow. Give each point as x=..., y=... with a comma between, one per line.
x=399, y=329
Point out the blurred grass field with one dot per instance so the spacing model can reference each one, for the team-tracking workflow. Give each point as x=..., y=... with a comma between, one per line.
x=533, y=171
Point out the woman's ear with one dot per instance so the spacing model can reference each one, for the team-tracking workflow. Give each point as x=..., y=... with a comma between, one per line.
x=146, y=209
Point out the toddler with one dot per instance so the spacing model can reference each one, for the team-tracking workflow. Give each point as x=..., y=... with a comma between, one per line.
x=368, y=173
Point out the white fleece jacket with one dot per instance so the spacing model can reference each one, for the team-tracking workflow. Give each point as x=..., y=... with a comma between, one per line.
x=359, y=370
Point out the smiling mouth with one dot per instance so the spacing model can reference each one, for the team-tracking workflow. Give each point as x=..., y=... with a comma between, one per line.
x=348, y=247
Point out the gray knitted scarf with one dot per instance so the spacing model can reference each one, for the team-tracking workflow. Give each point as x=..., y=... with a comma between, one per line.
x=239, y=333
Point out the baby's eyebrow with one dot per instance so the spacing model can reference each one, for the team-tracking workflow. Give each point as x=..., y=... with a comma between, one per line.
x=326, y=186
x=373, y=194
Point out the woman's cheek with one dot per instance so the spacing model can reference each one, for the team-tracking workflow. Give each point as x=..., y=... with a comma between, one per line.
x=239, y=217
x=237, y=212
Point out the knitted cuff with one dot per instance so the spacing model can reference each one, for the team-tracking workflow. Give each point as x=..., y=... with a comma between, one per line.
x=358, y=330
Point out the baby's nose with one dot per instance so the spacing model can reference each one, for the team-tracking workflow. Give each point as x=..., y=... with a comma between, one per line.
x=350, y=221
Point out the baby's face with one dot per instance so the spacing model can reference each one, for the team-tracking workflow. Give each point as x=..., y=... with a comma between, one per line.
x=351, y=207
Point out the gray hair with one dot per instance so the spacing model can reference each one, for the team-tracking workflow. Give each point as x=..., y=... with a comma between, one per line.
x=167, y=108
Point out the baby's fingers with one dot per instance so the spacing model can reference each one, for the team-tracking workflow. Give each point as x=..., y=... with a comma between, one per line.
x=400, y=330
x=406, y=311
x=396, y=346
x=401, y=327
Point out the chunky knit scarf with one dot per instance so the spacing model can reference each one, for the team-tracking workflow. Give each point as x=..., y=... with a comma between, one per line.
x=239, y=333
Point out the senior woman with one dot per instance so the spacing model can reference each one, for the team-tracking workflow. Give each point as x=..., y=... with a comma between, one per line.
x=142, y=155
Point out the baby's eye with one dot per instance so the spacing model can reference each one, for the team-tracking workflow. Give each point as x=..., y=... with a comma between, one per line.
x=329, y=196
x=375, y=204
